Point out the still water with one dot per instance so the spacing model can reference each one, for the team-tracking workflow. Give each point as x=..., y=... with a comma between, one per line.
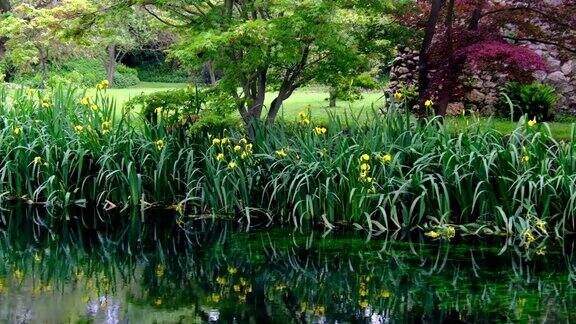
x=230, y=275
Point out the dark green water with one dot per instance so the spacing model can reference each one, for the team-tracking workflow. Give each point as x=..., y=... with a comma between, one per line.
x=220, y=272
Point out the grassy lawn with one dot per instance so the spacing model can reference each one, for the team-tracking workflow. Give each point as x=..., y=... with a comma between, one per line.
x=316, y=99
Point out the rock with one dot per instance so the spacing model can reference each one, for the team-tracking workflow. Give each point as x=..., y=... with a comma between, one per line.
x=556, y=77
x=475, y=96
x=403, y=70
x=540, y=75
x=455, y=109
x=567, y=67
x=554, y=64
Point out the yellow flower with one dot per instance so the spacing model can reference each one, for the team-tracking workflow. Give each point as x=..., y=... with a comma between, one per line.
x=85, y=101
x=221, y=280
x=243, y=141
x=159, y=144
x=363, y=291
x=365, y=158
x=105, y=83
x=386, y=158
x=363, y=304
x=525, y=158
x=432, y=234
x=78, y=128
x=365, y=167
x=304, y=118
x=244, y=155
x=94, y=107
x=249, y=148
x=216, y=141
x=17, y=130
x=158, y=110
x=363, y=175
x=106, y=126
x=282, y=153
x=236, y=288
x=45, y=104
x=428, y=103
x=225, y=141
x=160, y=270
x=541, y=251
x=37, y=160
x=232, y=165
x=220, y=157
x=320, y=130
x=319, y=310
x=232, y=270
x=532, y=122
x=237, y=148
x=398, y=96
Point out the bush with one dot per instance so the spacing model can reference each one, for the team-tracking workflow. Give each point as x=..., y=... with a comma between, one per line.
x=79, y=72
x=535, y=100
x=189, y=109
x=161, y=73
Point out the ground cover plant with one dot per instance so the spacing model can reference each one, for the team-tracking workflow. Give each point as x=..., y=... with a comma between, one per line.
x=61, y=148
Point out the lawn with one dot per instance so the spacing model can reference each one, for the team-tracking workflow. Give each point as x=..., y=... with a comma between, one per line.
x=316, y=99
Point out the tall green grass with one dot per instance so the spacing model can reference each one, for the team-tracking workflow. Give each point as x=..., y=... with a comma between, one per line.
x=379, y=173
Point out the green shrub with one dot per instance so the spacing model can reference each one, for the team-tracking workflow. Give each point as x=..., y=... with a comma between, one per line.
x=535, y=100
x=161, y=73
x=79, y=72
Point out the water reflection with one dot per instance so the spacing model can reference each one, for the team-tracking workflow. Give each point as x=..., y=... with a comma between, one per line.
x=225, y=274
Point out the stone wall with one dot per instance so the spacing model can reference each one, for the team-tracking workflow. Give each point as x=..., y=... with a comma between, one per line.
x=482, y=88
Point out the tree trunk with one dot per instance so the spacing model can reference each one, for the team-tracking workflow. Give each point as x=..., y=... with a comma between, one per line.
x=44, y=65
x=111, y=65
x=332, y=98
x=211, y=72
x=452, y=70
x=423, y=69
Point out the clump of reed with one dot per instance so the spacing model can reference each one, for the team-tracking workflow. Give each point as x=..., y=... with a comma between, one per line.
x=383, y=173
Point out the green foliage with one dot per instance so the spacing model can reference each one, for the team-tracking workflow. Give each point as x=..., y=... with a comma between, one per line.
x=59, y=150
x=82, y=72
x=191, y=109
x=161, y=72
x=535, y=100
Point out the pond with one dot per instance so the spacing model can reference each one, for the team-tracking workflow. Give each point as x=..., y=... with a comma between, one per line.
x=224, y=273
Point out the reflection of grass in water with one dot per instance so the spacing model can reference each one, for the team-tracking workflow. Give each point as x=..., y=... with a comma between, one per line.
x=286, y=273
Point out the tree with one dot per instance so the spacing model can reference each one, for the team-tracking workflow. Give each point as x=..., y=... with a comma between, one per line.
x=262, y=44
x=5, y=7
x=486, y=34
x=34, y=34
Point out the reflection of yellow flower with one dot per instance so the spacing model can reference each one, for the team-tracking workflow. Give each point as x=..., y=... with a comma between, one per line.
x=160, y=270
x=363, y=304
x=385, y=293
x=158, y=301
x=319, y=310
x=215, y=297
x=18, y=275
x=541, y=251
x=37, y=257
x=236, y=288
x=432, y=234
x=450, y=232
x=232, y=270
